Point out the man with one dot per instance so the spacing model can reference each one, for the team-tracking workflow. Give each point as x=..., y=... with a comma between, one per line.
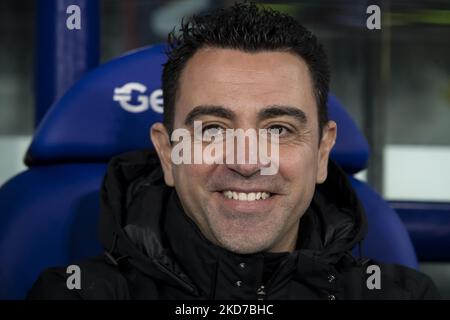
x=224, y=230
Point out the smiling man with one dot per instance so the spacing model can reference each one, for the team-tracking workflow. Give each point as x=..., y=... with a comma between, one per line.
x=269, y=90
x=224, y=230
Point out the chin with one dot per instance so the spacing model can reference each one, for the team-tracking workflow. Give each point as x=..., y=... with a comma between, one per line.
x=243, y=249
x=243, y=244
x=244, y=233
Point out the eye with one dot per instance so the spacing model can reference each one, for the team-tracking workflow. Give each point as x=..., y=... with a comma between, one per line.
x=278, y=130
x=213, y=130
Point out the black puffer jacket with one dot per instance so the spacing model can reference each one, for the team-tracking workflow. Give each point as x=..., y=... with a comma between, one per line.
x=154, y=251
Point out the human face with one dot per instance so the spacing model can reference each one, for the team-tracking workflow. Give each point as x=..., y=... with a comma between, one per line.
x=264, y=90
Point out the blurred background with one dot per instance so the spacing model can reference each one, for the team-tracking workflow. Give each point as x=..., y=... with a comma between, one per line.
x=395, y=82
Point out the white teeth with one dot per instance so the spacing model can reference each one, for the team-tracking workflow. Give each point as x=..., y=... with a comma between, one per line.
x=242, y=196
x=265, y=195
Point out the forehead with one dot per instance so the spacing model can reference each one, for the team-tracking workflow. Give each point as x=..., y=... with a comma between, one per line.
x=244, y=81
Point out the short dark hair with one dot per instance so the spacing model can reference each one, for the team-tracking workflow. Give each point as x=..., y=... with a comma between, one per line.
x=249, y=28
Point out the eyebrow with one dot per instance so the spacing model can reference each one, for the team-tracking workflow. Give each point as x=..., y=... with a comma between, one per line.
x=279, y=111
x=268, y=112
x=208, y=110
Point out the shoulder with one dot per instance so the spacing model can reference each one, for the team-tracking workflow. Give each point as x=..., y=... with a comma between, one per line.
x=88, y=279
x=415, y=283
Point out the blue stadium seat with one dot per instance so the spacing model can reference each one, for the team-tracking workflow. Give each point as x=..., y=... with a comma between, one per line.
x=428, y=224
x=387, y=239
x=49, y=212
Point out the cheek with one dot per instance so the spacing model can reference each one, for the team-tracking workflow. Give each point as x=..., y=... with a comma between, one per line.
x=298, y=166
x=190, y=181
x=190, y=178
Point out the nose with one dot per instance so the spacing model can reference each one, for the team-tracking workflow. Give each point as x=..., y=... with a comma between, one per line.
x=245, y=170
x=245, y=160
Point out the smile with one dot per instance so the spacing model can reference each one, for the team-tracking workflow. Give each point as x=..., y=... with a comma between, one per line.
x=242, y=196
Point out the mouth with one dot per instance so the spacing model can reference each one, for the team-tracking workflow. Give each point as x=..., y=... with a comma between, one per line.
x=246, y=201
x=246, y=196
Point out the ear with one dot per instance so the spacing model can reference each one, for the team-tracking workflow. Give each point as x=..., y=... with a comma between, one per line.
x=326, y=144
x=161, y=141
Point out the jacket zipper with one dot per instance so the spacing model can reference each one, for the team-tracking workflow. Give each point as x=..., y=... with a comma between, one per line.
x=261, y=292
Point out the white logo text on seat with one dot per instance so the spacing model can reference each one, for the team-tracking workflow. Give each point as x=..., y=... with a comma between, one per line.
x=123, y=95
